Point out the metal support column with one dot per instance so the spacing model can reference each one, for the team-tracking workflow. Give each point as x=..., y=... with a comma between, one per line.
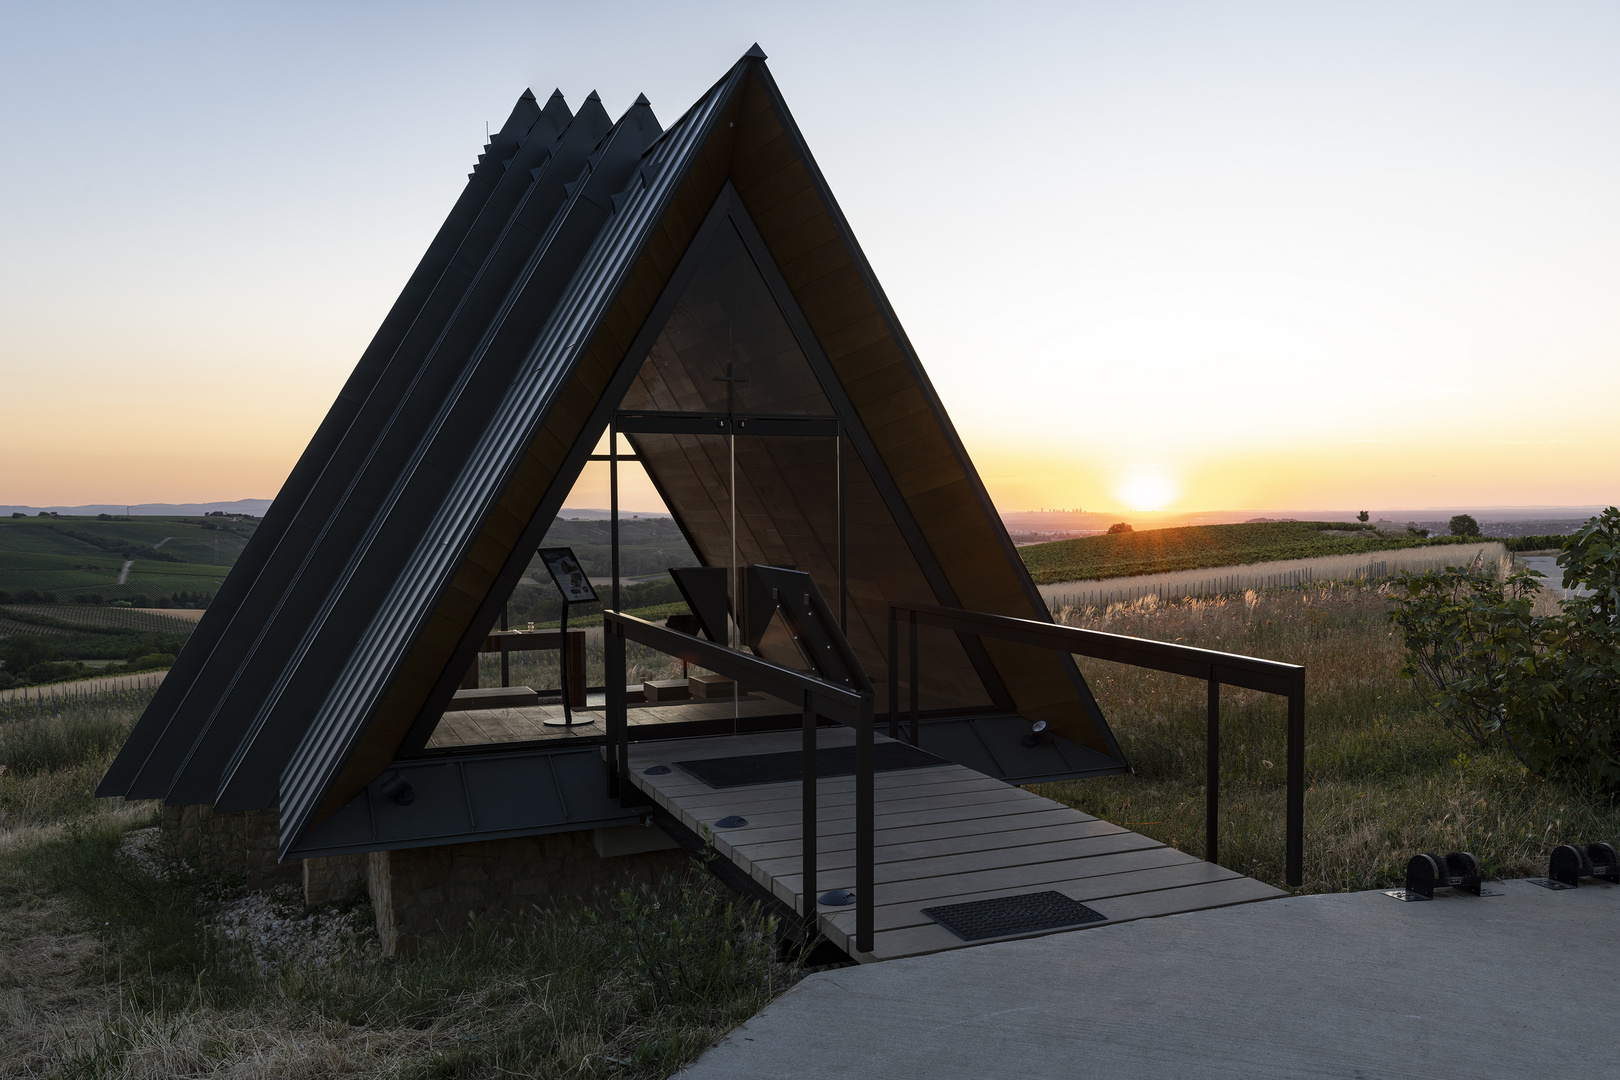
x=1212, y=771
x=808, y=829
x=613, y=511
x=894, y=673
x=911, y=678
x=1295, y=869
x=843, y=546
x=865, y=826
x=618, y=745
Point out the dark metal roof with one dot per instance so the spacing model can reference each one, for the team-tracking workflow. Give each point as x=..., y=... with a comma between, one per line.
x=247, y=599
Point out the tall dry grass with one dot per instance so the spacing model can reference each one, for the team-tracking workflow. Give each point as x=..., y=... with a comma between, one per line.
x=1385, y=780
x=1217, y=580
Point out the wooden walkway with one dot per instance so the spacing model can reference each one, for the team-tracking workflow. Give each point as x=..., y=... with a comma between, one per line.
x=944, y=835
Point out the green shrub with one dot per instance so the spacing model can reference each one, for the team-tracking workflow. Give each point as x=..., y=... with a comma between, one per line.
x=1463, y=525
x=1549, y=685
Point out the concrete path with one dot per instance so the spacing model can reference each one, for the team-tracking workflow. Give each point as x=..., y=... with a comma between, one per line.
x=1353, y=985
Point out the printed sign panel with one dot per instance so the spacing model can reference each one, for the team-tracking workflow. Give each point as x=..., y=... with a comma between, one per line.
x=569, y=576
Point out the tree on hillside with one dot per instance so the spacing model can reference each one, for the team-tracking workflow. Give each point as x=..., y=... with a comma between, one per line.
x=1363, y=517
x=1120, y=527
x=1464, y=525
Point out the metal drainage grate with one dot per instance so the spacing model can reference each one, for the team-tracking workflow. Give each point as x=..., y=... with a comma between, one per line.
x=980, y=919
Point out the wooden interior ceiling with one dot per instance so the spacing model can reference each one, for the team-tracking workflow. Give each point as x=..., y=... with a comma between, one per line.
x=728, y=327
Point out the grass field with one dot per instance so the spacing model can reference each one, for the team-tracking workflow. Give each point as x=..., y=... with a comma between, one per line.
x=116, y=964
x=77, y=556
x=1158, y=551
x=1263, y=576
x=1385, y=779
x=67, y=616
x=188, y=539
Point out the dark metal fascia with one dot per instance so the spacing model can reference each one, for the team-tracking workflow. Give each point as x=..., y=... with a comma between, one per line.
x=330, y=739
x=328, y=517
x=861, y=439
x=931, y=396
x=348, y=622
x=141, y=749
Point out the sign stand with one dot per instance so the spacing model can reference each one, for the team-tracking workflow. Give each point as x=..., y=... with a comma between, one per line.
x=575, y=587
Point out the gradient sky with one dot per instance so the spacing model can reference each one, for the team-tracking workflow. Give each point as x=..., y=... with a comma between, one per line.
x=1214, y=255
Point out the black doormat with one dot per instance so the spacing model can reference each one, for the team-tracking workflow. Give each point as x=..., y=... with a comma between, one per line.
x=980, y=919
x=727, y=772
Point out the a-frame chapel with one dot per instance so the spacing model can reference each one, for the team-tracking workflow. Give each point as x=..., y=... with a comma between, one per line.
x=688, y=301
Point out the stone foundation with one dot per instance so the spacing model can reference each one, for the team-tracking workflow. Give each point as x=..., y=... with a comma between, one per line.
x=417, y=891
x=333, y=878
x=240, y=844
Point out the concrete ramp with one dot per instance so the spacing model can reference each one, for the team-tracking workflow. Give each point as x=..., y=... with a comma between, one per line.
x=1352, y=985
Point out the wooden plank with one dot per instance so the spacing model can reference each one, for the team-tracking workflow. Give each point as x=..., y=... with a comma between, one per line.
x=964, y=830
x=845, y=826
x=966, y=803
x=1014, y=877
x=934, y=876
x=901, y=845
x=920, y=874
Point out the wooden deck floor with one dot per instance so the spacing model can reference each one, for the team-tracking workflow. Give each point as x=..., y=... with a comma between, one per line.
x=944, y=834
x=528, y=724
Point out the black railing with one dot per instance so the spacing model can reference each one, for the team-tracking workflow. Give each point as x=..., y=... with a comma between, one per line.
x=1267, y=676
x=817, y=697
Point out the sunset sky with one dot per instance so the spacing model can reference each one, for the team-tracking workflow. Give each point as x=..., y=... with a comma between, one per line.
x=1193, y=256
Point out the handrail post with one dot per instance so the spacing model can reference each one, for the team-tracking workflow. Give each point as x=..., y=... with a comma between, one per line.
x=808, y=831
x=618, y=746
x=865, y=834
x=1295, y=869
x=894, y=672
x=1212, y=771
x=911, y=680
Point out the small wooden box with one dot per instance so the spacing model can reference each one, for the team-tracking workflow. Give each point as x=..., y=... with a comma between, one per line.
x=711, y=686
x=666, y=690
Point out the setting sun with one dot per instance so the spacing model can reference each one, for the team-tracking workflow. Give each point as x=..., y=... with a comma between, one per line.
x=1145, y=488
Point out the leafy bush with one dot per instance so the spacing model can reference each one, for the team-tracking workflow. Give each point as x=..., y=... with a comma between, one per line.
x=22, y=651
x=1120, y=527
x=1463, y=525
x=1546, y=685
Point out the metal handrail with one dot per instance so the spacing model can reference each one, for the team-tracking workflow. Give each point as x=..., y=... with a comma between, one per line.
x=817, y=697
x=1232, y=669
